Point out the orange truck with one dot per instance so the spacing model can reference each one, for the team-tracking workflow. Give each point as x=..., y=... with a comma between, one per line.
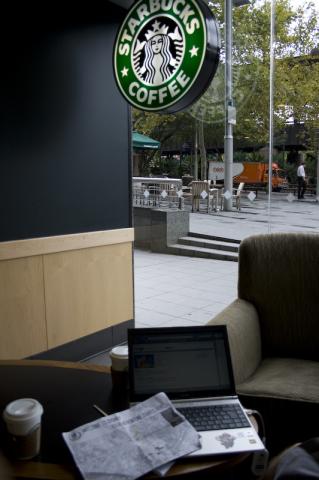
x=253, y=174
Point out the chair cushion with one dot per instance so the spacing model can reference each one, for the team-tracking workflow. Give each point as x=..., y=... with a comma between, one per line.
x=284, y=378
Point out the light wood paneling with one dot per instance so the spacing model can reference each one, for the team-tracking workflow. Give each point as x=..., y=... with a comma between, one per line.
x=87, y=290
x=56, y=364
x=61, y=243
x=50, y=299
x=22, y=308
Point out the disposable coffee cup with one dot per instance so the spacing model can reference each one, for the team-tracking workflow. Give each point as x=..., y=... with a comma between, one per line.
x=23, y=422
x=119, y=367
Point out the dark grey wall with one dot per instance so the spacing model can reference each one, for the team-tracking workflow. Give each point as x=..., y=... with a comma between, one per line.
x=64, y=127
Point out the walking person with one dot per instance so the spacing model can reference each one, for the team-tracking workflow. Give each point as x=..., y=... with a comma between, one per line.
x=301, y=175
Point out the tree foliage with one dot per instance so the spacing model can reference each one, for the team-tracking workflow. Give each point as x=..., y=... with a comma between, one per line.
x=296, y=95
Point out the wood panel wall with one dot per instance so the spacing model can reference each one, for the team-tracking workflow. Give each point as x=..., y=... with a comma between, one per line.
x=58, y=289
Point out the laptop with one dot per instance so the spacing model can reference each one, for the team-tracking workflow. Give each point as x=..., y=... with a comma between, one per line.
x=192, y=365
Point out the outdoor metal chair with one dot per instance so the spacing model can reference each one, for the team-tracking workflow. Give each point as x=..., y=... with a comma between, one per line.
x=166, y=192
x=235, y=196
x=201, y=192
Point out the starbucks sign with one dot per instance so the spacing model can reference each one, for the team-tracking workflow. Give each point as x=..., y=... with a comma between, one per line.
x=166, y=54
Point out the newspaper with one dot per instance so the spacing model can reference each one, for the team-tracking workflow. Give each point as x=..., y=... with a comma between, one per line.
x=126, y=445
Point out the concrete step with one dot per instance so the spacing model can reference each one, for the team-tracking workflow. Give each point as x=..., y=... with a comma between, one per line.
x=202, y=252
x=214, y=244
x=213, y=237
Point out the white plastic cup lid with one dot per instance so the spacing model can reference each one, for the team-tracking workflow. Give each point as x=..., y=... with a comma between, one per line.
x=119, y=357
x=22, y=415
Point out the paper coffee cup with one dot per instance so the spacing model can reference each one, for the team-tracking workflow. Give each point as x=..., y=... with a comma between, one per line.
x=23, y=421
x=119, y=368
x=119, y=358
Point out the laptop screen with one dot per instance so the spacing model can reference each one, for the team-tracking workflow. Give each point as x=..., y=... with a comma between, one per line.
x=183, y=362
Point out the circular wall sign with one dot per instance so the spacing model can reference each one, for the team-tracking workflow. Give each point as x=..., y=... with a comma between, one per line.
x=166, y=54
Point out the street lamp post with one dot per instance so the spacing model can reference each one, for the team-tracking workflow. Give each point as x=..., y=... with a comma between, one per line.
x=230, y=112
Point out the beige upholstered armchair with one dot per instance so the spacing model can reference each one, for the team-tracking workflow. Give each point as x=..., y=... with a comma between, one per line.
x=273, y=329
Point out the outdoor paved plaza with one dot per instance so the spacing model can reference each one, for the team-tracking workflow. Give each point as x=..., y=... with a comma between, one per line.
x=171, y=290
x=257, y=217
x=175, y=290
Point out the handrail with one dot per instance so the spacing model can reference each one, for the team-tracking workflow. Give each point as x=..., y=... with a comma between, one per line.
x=158, y=192
x=152, y=180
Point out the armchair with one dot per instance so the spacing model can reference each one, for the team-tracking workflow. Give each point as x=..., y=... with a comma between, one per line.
x=273, y=328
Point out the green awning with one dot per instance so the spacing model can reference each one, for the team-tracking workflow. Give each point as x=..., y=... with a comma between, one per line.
x=143, y=142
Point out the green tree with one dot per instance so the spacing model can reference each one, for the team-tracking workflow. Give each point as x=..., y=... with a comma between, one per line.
x=296, y=81
x=296, y=34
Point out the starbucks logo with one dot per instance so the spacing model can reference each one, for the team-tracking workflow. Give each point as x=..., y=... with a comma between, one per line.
x=158, y=51
x=166, y=53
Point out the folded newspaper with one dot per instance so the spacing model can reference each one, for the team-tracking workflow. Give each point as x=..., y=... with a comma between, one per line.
x=126, y=445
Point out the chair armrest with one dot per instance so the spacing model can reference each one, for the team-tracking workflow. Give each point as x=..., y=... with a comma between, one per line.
x=242, y=323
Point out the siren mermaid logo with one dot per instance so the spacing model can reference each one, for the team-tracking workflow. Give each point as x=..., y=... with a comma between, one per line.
x=157, y=58
x=163, y=47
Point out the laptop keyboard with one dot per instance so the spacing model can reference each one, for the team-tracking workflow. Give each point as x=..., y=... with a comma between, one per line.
x=215, y=417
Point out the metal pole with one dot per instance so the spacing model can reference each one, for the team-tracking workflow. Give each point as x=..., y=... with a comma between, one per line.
x=315, y=51
x=271, y=106
x=316, y=146
x=196, y=155
x=228, y=139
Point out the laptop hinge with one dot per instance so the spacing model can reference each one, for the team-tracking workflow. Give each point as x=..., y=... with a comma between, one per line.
x=203, y=399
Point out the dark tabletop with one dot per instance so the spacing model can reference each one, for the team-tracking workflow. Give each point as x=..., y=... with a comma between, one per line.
x=67, y=392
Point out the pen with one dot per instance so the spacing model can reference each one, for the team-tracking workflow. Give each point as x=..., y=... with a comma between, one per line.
x=100, y=410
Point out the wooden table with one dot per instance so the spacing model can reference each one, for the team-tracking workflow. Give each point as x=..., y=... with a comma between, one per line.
x=68, y=392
